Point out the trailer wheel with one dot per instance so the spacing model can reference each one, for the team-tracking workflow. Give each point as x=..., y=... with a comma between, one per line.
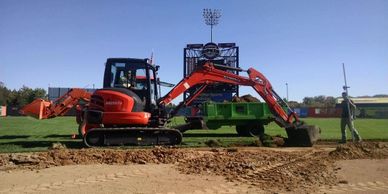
x=257, y=131
x=242, y=130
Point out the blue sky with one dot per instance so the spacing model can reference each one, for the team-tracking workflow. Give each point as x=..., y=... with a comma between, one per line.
x=302, y=43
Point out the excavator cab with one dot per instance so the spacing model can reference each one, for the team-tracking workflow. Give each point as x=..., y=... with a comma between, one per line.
x=136, y=75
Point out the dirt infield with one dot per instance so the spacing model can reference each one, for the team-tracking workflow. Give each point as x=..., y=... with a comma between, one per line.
x=271, y=170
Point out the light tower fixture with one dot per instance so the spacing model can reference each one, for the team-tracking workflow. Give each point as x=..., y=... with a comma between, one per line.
x=211, y=17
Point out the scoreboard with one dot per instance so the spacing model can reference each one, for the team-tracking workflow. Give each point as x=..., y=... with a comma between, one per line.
x=223, y=54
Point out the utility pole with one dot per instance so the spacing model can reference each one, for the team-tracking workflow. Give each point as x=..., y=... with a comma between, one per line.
x=345, y=87
x=211, y=17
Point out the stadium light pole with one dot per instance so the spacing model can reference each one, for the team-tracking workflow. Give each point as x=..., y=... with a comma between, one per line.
x=211, y=17
x=287, y=90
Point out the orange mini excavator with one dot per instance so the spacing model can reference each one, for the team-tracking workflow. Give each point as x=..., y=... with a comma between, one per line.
x=129, y=109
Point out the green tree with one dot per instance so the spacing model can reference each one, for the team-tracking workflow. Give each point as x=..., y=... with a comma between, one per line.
x=13, y=98
x=293, y=104
x=308, y=101
x=4, y=93
x=319, y=101
x=24, y=96
x=380, y=95
x=37, y=93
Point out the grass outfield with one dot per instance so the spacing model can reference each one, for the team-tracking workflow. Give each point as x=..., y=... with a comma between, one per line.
x=21, y=134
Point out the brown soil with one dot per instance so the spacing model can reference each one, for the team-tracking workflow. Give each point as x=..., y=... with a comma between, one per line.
x=268, y=170
x=102, y=179
x=274, y=170
x=245, y=98
x=364, y=150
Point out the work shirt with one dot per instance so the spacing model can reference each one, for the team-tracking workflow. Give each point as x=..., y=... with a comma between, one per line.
x=345, y=111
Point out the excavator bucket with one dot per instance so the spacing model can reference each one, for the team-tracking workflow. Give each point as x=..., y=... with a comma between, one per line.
x=37, y=108
x=302, y=136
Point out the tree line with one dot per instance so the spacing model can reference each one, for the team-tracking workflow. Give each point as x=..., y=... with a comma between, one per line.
x=20, y=97
x=322, y=101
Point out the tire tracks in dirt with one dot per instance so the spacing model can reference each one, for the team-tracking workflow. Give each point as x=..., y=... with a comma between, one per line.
x=281, y=164
x=227, y=188
x=75, y=182
x=58, y=186
x=362, y=187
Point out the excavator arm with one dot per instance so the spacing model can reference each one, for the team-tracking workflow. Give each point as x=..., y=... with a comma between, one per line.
x=209, y=74
x=298, y=133
x=42, y=109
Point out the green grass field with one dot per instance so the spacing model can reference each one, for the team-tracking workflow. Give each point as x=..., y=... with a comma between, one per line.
x=22, y=134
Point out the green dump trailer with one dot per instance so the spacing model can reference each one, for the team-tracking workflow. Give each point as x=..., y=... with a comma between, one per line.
x=248, y=117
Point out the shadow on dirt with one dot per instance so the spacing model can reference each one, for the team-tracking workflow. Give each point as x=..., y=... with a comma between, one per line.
x=58, y=136
x=35, y=144
x=210, y=135
x=14, y=136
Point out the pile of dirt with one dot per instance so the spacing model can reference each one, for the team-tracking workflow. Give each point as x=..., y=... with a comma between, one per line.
x=269, y=170
x=245, y=98
x=61, y=157
x=57, y=146
x=362, y=150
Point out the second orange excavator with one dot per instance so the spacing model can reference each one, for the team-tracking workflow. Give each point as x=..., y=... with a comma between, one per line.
x=129, y=110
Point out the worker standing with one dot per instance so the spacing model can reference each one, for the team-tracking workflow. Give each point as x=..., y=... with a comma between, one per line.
x=347, y=117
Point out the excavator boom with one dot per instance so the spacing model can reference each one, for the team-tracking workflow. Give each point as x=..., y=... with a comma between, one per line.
x=208, y=74
x=298, y=133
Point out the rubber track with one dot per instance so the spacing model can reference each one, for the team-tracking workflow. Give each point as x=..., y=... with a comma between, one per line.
x=156, y=130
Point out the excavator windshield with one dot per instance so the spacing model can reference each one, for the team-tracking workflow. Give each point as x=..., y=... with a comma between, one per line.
x=132, y=76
